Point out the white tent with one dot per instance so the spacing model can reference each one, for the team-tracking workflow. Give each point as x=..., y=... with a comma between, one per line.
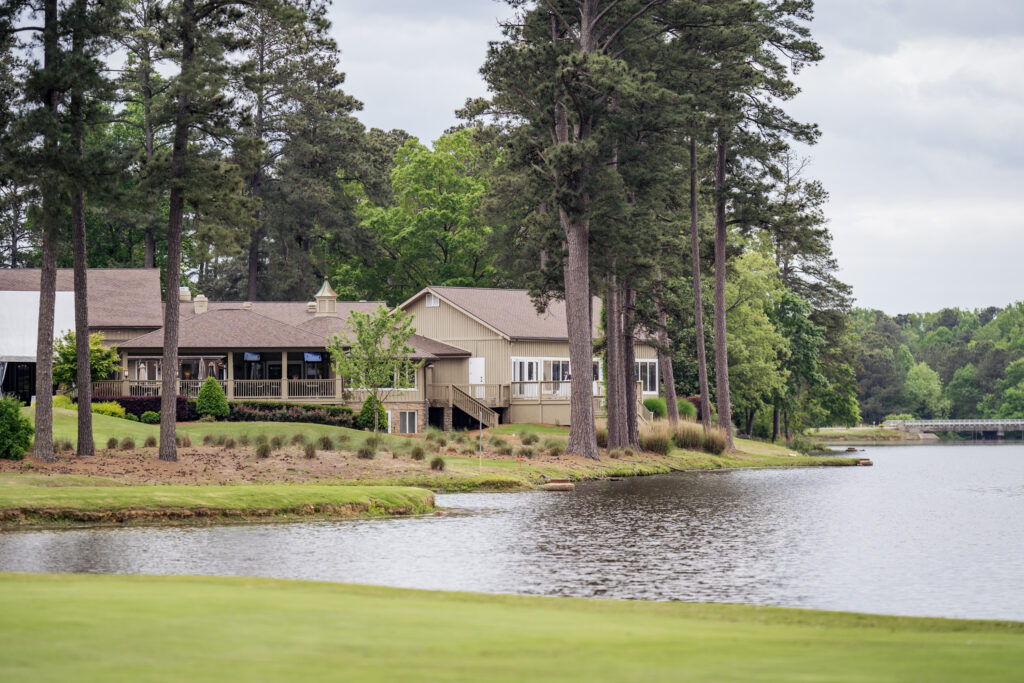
x=19, y=322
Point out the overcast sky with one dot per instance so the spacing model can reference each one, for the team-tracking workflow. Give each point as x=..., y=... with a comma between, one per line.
x=920, y=102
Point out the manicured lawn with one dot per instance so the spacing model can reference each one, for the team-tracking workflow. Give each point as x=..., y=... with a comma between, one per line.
x=139, y=628
x=526, y=427
x=65, y=426
x=29, y=498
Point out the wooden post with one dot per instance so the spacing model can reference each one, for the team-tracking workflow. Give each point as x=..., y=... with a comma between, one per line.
x=284, y=374
x=231, y=375
x=124, y=373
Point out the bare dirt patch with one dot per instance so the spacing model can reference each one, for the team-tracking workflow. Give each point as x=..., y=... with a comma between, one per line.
x=214, y=465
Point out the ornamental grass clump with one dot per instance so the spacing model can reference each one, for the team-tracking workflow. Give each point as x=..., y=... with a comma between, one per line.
x=261, y=438
x=186, y=441
x=373, y=441
x=468, y=449
x=437, y=464
x=689, y=435
x=554, y=447
x=62, y=445
x=230, y=443
x=208, y=439
x=505, y=449
x=417, y=453
x=325, y=443
x=342, y=439
x=366, y=452
x=263, y=450
x=150, y=441
x=602, y=436
x=127, y=443
x=244, y=439
x=526, y=452
x=112, y=442
x=716, y=441
x=528, y=438
x=298, y=438
x=310, y=450
x=277, y=442
x=496, y=441
x=656, y=438
x=221, y=439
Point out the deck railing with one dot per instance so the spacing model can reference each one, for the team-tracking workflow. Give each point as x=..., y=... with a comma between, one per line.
x=312, y=388
x=258, y=388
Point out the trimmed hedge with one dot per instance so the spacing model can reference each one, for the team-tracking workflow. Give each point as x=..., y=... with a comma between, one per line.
x=137, y=405
x=337, y=416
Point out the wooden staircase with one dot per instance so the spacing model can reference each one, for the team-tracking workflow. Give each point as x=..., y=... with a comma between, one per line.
x=472, y=407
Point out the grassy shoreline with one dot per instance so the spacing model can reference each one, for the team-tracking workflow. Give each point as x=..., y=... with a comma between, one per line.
x=96, y=627
x=26, y=503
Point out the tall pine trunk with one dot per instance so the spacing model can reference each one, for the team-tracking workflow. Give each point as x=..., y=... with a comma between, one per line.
x=721, y=348
x=50, y=190
x=629, y=363
x=179, y=150
x=618, y=436
x=665, y=357
x=83, y=379
x=698, y=294
x=582, y=435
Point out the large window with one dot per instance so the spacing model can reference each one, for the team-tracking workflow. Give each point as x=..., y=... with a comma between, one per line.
x=647, y=375
x=407, y=422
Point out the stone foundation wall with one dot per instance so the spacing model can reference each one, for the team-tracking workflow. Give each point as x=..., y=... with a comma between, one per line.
x=395, y=407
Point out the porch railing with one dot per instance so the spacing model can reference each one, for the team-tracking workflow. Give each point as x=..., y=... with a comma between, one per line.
x=312, y=388
x=257, y=388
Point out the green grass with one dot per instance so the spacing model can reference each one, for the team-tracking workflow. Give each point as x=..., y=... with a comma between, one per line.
x=861, y=433
x=65, y=426
x=526, y=427
x=141, y=628
x=36, y=500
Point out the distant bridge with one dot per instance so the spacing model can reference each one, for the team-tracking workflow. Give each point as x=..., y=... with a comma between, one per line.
x=1000, y=426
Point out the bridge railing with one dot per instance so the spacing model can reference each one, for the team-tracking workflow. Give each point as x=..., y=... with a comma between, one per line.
x=955, y=425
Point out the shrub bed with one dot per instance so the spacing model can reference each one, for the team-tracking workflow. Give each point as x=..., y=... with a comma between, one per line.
x=137, y=405
x=336, y=416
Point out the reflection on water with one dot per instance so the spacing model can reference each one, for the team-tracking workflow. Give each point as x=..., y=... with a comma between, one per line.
x=927, y=531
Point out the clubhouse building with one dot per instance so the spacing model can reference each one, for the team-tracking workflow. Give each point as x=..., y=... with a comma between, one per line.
x=487, y=355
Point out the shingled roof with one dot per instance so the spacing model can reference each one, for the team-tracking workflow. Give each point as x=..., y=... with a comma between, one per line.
x=231, y=329
x=510, y=312
x=118, y=297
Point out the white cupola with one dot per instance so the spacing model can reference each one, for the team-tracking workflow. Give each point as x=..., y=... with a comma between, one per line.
x=326, y=300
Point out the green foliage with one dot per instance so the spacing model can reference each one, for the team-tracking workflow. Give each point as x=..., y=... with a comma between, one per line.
x=923, y=393
x=437, y=463
x=103, y=362
x=263, y=450
x=417, y=453
x=64, y=402
x=899, y=417
x=433, y=232
x=111, y=408
x=686, y=409
x=211, y=400
x=657, y=406
x=377, y=359
x=15, y=430
x=150, y=417
x=366, y=419
x=112, y=443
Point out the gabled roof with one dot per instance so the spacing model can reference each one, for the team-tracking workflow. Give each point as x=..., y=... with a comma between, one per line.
x=231, y=329
x=510, y=312
x=289, y=312
x=118, y=297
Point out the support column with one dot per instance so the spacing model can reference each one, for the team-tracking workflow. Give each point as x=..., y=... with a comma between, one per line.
x=124, y=374
x=231, y=376
x=446, y=424
x=284, y=374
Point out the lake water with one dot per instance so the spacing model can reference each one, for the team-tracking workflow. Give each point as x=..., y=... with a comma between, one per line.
x=928, y=531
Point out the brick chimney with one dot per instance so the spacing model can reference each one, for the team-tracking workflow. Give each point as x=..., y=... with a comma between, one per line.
x=202, y=305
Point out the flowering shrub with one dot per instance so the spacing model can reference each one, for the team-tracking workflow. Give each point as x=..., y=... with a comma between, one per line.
x=337, y=416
